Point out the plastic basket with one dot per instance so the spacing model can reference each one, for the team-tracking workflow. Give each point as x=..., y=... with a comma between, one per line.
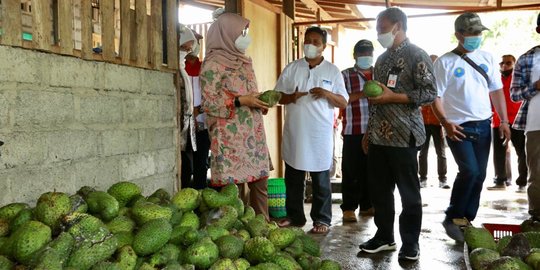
x=501, y=230
x=276, y=197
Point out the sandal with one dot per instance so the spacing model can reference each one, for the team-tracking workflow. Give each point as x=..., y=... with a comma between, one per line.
x=288, y=223
x=320, y=229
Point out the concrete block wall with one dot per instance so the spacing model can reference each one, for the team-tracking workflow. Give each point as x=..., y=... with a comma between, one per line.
x=67, y=123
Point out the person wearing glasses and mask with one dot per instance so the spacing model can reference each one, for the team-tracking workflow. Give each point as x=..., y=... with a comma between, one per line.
x=355, y=117
x=395, y=133
x=234, y=114
x=312, y=88
x=467, y=78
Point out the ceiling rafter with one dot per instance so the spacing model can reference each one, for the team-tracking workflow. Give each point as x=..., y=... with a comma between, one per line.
x=312, y=4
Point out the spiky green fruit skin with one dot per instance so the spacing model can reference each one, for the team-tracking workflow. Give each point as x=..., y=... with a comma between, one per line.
x=230, y=246
x=329, y=265
x=223, y=264
x=126, y=258
x=281, y=237
x=258, y=250
x=152, y=236
x=124, y=191
x=9, y=211
x=5, y=263
x=121, y=224
x=22, y=217
x=88, y=253
x=51, y=207
x=187, y=199
x=143, y=212
x=78, y=204
x=102, y=204
x=203, y=253
x=29, y=239
x=310, y=245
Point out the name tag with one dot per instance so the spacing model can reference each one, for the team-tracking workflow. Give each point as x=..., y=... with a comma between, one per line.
x=392, y=81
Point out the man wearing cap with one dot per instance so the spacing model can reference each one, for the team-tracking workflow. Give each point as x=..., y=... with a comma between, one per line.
x=355, y=119
x=466, y=80
x=525, y=86
x=395, y=132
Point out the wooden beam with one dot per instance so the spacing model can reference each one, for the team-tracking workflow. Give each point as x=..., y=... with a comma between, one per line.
x=311, y=4
x=65, y=26
x=338, y=10
x=106, y=9
x=267, y=5
x=289, y=8
x=141, y=21
x=11, y=22
x=156, y=39
x=232, y=6
x=125, y=31
x=86, y=29
x=42, y=24
x=331, y=4
x=172, y=34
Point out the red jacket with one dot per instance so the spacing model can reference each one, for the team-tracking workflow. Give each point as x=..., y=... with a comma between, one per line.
x=512, y=108
x=429, y=116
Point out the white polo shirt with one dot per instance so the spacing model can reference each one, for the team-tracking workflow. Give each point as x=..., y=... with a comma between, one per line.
x=463, y=90
x=308, y=132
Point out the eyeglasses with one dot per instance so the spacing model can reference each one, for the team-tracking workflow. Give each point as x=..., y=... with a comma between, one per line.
x=508, y=63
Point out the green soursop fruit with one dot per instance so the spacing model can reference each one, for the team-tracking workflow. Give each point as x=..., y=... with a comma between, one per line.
x=533, y=259
x=85, y=227
x=329, y=265
x=51, y=207
x=517, y=247
x=223, y=264
x=249, y=213
x=126, y=258
x=203, y=253
x=152, y=236
x=176, y=214
x=230, y=246
x=5, y=263
x=28, y=240
x=22, y=217
x=534, y=239
x=54, y=255
x=309, y=262
x=295, y=249
x=5, y=247
x=223, y=217
x=124, y=239
x=11, y=210
x=168, y=253
x=85, y=190
x=160, y=196
x=143, y=212
x=243, y=234
x=507, y=262
x=238, y=204
x=372, y=89
x=241, y=264
x=257, y=226
x=190, y=220
x=258, y=250
x=480, y=258
x=479, y=238
x=88, y=253
x=121, y=224
x=271, y=97
x=214, y=199
x=123, y=192
x=187, y=199
x=215, y=232
x=102, y=204
x=266, y=266
x=4, y=227
x=106, y=266
x=285, y=261
x=310, y=245
x=78, y=204
x=281, y=237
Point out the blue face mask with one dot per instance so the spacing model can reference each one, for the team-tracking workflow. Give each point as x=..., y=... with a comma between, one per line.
x=364, y=62
x=472, y=43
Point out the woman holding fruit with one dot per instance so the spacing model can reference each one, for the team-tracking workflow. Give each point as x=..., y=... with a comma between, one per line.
x=239, y=153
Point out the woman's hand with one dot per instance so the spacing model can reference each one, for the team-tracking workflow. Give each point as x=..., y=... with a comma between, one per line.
x=253, y=101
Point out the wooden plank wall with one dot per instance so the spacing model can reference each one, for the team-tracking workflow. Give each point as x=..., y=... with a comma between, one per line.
x=139, y=41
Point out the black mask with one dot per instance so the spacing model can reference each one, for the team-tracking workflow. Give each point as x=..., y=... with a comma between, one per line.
x=507, y=73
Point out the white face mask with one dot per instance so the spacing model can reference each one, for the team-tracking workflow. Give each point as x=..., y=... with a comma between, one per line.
x=311, y=51
x=242, y=43
x=387, y=39
x=364, y=62
x=196, y=49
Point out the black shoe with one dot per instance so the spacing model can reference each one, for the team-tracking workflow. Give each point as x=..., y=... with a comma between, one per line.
x=409, y=255
x=374, y=245
x=444, y=185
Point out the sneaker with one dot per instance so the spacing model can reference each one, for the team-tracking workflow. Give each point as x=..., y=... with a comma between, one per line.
x=521, y=189
x=374, y=245
x=497, y=187
x=409, y=255
x=349, y=216
x=367, y=213
x=453, y=230
x=423, y=183
x=444, y=185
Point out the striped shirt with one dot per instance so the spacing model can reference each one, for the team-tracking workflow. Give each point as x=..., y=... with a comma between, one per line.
x=522, y=87
x=393, y=124
x=356, y=114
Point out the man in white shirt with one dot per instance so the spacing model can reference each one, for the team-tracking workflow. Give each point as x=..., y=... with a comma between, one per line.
x=312, y=87
x=525, y=86
x=466, y=80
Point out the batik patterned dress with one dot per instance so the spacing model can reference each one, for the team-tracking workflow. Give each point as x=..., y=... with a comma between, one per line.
x=238, y=140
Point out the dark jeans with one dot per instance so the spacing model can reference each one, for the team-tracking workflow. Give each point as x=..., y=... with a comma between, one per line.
x=196, y=162
x=391, y=167
x=434, y=131
x=471, y=158
x=321, y=208
x=518, y=140
x=354, y=184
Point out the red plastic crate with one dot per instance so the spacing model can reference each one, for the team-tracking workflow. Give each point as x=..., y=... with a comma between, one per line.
x=501, y=230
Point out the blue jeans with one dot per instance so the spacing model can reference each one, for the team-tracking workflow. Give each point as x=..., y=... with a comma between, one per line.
x=471, y=158
x=321, y=208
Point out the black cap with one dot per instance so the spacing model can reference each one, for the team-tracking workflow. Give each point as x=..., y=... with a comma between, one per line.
x=362, y=46
x=469, y=23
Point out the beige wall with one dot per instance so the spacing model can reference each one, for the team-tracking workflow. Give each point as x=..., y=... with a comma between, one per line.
x=264, y=50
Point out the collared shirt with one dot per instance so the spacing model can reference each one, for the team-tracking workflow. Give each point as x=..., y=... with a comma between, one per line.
x=356, y=114
x=393, y=124
x=523, y=86
x=309, y=123
x=464, y=92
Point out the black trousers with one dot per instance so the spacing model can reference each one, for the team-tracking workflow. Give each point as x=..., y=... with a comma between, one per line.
x=354, y=184
x=499, y=157
x=434, y=131
x=195, y=163
x=391, y=167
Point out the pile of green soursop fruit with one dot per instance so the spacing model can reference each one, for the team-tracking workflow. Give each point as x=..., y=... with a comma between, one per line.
x=121, y=229
x=520, y=251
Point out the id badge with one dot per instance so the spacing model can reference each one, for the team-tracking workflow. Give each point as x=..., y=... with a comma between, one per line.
x=392, y=81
